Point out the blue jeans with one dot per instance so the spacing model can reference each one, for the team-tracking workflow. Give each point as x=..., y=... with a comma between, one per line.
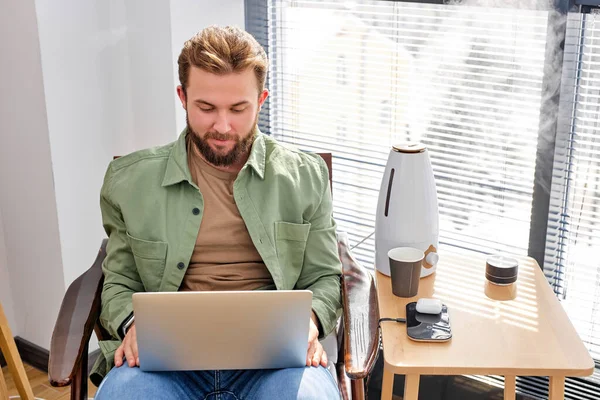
x=280, y=384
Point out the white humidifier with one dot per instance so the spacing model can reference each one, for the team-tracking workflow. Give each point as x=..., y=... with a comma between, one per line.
x=407, y=210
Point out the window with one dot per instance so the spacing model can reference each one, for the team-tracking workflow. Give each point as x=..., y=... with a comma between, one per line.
x=472, y=84
x=465, y=81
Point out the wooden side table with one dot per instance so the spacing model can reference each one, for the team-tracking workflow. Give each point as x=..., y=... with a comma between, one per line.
x=514, y=330
x=13, y=359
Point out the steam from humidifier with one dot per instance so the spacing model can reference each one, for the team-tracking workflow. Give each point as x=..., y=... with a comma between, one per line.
x=407, y=209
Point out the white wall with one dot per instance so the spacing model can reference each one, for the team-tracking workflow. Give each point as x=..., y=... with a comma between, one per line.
x=150, y=61
x=83, y=81
x=27, y=198
x=191, y=16
x=5, y=292
x=84, y=52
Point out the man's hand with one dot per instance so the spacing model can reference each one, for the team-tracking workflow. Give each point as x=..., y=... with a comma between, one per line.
x=316, y=355
x=128, y=349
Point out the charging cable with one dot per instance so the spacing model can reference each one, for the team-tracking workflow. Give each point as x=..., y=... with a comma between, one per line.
x=399, y=320
x=362, y=241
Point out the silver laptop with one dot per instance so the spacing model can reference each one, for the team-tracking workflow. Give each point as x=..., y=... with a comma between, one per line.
x=178, y=331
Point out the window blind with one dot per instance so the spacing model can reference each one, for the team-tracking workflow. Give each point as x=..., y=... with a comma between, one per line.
x=354, y=78
x=573, y=241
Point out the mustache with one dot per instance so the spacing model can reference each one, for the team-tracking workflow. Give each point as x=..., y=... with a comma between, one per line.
x=219, y=136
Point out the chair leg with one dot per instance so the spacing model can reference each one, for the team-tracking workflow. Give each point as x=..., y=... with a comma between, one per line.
x=358, y=389
x=79, y=386
x=13, y=359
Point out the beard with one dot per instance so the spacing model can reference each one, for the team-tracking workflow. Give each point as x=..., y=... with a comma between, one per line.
x=242, y=145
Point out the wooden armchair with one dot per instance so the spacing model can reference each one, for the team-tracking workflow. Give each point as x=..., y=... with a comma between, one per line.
x=358, y=339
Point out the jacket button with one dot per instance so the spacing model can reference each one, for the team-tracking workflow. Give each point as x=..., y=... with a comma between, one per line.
x=181, y=265
x=196, y=211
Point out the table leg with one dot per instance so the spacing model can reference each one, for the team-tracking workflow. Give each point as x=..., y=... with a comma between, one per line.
x=510, y=387
x=557, y=388
x=387, y=386
x=411, y=387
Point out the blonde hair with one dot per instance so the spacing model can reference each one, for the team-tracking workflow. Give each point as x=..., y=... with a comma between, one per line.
x=223, y=50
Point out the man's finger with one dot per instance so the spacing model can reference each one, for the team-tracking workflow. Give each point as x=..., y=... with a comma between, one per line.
x=129, y=355
x=316, y=360
x=310, y=354
x=134, y=350
x=324, y=360
x=119, y=356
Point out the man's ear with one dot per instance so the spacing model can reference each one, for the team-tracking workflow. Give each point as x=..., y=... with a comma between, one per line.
x=182, y=96
x=262, y=97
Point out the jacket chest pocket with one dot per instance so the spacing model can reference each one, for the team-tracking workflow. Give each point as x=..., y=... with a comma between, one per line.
x=290, y=242
x=150, y=258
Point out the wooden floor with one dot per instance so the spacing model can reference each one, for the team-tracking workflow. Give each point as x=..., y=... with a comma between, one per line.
x=41, y=387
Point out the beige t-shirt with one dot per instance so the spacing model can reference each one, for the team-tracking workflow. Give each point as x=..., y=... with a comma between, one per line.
x=224, y=257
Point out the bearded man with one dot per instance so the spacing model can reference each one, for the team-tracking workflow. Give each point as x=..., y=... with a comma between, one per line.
x=224, y=207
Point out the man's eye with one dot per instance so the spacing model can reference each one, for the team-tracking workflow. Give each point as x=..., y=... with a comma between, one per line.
x=206, y=109
x=237, y=110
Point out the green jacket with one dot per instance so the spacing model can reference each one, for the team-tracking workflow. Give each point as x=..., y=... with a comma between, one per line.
x=151, y=211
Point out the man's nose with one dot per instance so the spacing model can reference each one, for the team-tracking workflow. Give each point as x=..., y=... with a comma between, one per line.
x=222, y=124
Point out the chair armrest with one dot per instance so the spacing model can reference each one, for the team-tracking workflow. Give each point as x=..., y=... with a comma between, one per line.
x=360, y=315
x=78, y=314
